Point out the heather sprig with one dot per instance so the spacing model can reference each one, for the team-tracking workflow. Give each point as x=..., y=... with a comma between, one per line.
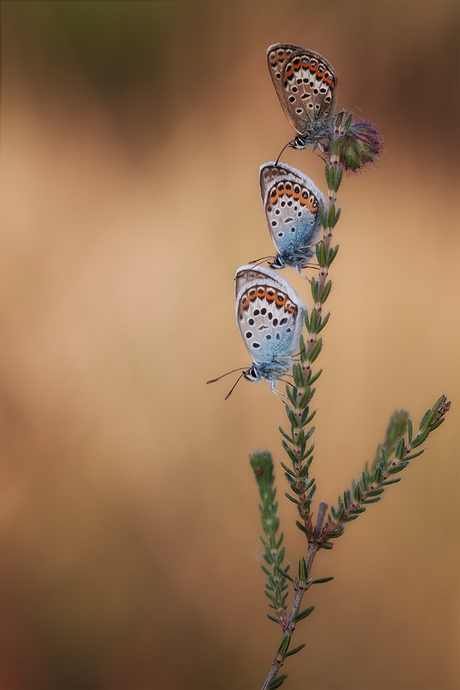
x=275, y=587
x=352, y=146
x=392, y=456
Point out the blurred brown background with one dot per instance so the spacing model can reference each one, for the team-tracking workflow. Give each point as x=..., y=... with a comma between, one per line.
x=131, y=136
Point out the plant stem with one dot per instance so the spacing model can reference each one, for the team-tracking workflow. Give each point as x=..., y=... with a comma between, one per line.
x=300, y=587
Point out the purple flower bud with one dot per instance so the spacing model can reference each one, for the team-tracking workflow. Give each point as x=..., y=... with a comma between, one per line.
x=354, y=144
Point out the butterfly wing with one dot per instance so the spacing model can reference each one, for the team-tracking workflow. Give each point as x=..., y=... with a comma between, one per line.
x=291, y=206
x=269, y=314
x=306, y=86
x=268, y=172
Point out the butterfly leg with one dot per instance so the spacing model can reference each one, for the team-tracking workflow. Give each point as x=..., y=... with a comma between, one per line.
x=301, y=274
x=284, y=399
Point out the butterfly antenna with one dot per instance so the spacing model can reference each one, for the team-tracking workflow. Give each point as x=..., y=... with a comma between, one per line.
x=234, y=386
x=290, y=143
x=256, y=262
x=228, y=372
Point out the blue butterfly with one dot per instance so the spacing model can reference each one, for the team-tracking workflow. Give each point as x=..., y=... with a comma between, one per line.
x=306, y=85
x=270, y=316
x=291, y=205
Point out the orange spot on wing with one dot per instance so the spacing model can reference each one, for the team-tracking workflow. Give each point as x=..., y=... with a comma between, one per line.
x=280, y=299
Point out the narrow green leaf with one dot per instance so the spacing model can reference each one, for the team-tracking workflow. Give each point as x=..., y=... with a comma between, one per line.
x=284, y=646
x=414, y=455
x=325, y=293
x=331, y=216
x=292, y=418
x=340, y=514
x=291, y=498
x=304, y=471
x=387, y=482
x=309, y=419
x=284, y=573
x=302, y=569
x=286, y=468
x=295, y=651
x=314, y=292
x=291, y=393
x=427, y=419
x=435, y=426
x=305, y=399
x=337, y=179
x=324, y=322
x=322, y=254
x=409, y=430
x=286, y=436
x=303, y=614
x=318, y=252
x=290, y=452
x=303, y=355
x=313, y=316
x=272, y=618
x=278, y=682
x=316, y=349
x=397, y=468
x=420, y=438
x=301, y=527
x=311, y=493
x=322, y=214
x=374, y=492
x=321, y=580
x=384, y=460
x=400, y=448
x=372, y=500
x=332, y=254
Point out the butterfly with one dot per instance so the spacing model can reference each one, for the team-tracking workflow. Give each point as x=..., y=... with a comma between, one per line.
x=291, y=205
x=270, y=316
x=306, y=86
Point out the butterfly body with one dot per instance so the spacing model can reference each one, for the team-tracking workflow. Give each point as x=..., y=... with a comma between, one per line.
x=306, y=85
x=291, y=205
x=270, y=317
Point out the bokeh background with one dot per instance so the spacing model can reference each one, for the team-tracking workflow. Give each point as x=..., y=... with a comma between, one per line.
x=131, y=137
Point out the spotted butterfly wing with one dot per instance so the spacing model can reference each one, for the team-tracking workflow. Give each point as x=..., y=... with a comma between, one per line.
x=291, y=205
x=270, y=316
x=306, y=85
